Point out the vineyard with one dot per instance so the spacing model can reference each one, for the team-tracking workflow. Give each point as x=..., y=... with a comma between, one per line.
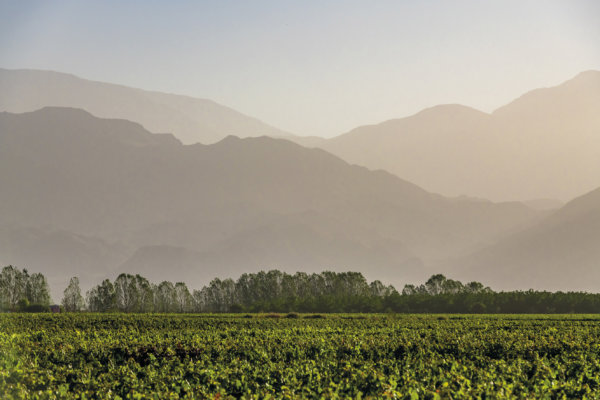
x=111, y=356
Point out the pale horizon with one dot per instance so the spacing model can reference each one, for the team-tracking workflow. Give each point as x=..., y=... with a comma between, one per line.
x=317, y=69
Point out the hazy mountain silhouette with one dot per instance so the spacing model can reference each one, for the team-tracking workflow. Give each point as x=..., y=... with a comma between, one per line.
x=198, y=211
x=562, y=252
x=191, y=120
x=544, y=204
x=544, y=144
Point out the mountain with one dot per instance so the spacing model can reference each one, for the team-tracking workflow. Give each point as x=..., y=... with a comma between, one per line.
x=306, y=141
x=191, y=120
x=544, y=144
x=544, y=204
x=142, y=202
x=561, y=252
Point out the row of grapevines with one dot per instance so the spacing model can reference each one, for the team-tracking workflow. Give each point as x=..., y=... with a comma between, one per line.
x=112, y=356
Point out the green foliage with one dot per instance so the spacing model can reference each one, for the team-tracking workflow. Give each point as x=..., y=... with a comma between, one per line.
x=35, y=308
x=72, y=300
x=225, y=356
x=19, y=289
x=350, y=292
x=278, y=292
x=301, y=292
x=102, y=298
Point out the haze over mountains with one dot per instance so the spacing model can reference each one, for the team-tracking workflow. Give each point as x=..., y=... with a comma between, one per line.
x=542, y=146
x=192, y=120
x=93, y=197
x=545, y=144
x=560, y=253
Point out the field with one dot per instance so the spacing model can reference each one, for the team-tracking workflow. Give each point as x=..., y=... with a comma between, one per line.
x=304, y=356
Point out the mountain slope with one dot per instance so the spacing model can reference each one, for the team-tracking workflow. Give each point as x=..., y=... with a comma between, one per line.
x=237, y=205
x=560, y=253
x=191, y=120
x=428, y=147
x=543, y=145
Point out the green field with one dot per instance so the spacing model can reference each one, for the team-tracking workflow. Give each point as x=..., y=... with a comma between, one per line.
x=336, y=356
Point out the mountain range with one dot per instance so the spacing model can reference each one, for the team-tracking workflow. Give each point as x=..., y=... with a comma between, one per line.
x=545, y=144
x=94, y=193
x=192, y=120
x=562, y=252
x=96, y=196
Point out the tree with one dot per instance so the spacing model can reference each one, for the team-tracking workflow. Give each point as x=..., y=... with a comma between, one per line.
x=37, y=291
x=435, y=284
x=18, y=286
x=378, y=289
x=102, y=298
x=13, y=284
x=183, y=297
x=144, y=295
x=72, y=300
x=125, y=292
x=410, y=290
x=164, y=298
x=450, y=286
x=474, y=287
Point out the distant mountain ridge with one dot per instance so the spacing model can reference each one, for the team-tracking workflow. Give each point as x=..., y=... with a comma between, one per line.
x=190, y=119
x=545, y=144
x=122, y=198
x=92, y=196
x=562, y=252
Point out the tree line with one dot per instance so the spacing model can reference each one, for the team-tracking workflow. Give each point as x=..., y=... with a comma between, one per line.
x=277, y=291
x=22, y=291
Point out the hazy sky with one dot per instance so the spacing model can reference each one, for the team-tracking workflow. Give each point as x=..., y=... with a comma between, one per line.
x=311, y=67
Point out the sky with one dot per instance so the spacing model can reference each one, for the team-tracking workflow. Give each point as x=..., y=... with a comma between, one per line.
x=311, y=67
